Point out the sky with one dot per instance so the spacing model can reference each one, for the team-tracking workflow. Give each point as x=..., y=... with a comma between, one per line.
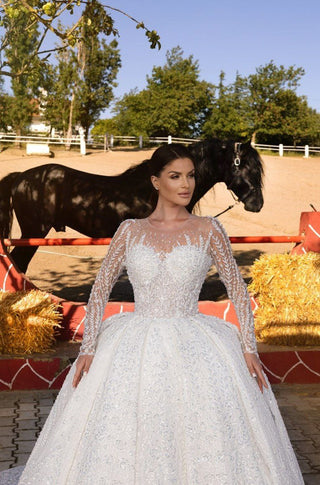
x=228, y=35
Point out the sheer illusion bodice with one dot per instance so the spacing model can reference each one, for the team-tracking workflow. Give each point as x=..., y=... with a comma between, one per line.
x=167, y=269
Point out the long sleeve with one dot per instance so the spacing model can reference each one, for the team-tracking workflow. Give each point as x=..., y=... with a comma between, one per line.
x=108, y=274
x=230, y=275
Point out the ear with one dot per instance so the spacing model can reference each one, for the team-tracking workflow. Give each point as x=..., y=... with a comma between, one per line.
x=154, y=181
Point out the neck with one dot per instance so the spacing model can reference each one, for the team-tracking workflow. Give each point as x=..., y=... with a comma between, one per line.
x=167, y=212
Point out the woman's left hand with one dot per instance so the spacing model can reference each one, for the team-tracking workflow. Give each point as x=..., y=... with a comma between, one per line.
x=255, y=369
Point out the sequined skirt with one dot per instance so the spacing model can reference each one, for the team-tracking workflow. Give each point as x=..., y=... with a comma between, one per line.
x=167, y=400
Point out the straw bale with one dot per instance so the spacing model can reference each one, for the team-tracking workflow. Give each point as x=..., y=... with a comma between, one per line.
x=288, y=291
x=28, y=322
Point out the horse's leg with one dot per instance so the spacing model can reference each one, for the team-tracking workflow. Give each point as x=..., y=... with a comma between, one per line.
x=23, y=255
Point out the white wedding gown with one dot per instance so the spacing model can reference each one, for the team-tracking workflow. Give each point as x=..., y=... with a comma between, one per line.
x=168, y=398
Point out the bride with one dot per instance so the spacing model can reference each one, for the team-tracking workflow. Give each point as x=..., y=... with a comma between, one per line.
x=165, y=395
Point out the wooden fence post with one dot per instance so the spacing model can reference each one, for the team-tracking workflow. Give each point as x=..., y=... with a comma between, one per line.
x=169, y=140
x=306, y=151
x=140, y=141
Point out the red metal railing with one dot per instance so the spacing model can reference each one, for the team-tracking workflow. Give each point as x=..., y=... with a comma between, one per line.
x=87, y=241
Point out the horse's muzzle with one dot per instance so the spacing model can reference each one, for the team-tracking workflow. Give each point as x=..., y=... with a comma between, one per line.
x=254, y=203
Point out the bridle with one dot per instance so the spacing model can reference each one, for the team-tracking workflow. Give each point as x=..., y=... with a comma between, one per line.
x=236, y=163
x=251, y=189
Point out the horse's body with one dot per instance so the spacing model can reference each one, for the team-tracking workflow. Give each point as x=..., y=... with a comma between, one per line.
x=56, y=196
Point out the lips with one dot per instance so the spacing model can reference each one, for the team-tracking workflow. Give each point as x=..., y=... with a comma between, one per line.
x=184, y=194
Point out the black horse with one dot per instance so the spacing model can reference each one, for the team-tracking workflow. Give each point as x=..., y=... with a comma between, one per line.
x=56, y=196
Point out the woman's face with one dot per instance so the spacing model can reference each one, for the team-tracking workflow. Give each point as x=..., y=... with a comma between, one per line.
x=176, y=182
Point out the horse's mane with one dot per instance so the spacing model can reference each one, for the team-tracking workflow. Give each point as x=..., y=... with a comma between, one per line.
x=254, y=164
x=218, y=149
x=136, y=170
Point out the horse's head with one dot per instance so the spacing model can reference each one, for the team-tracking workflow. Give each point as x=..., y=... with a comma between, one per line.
x=244, y=173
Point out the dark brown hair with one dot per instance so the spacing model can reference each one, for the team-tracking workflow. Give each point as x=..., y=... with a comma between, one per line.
x=167, y=154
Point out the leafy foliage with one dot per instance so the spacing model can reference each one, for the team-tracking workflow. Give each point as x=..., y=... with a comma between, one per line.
x=62, y=82
x=174, y=102
x=228, y=118
x=265, y=107
x=18, y=52
x=44, y=16
x=98, y=65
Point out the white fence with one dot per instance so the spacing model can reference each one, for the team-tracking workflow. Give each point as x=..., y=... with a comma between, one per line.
x=56, y=140
x=305, y=149
x=74, y=140
x=107, y=142
x=97, y=141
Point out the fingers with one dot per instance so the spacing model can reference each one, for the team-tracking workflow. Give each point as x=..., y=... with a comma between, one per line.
x=255, y=369
x=258, y=374
x=82, y=368
x=76, y=377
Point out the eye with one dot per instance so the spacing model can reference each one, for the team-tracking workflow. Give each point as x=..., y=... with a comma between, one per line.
x=174, y=176
x=192, y=175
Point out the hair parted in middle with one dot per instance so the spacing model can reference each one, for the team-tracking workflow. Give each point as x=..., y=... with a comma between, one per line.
x=165, y=155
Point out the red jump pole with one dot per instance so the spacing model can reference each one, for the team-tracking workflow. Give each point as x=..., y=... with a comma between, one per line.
x=87, y=241
x=80, y=241
x=265, y=239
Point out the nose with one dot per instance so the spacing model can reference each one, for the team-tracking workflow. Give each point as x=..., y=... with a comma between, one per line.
x=185, y=182
x=255, y=202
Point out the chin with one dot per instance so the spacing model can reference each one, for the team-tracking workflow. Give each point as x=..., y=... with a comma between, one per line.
x=184, y=203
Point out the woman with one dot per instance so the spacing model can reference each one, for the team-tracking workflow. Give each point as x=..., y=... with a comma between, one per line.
x=166, y=395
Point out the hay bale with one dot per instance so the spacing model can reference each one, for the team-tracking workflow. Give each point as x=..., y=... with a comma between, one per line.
x=28, y=320
x=288, y=291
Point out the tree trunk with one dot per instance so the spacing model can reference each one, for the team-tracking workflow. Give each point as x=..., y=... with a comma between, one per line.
x=17, y=140
x=69, y=132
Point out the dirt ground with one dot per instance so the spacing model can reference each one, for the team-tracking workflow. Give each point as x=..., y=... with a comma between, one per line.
x=290, y=186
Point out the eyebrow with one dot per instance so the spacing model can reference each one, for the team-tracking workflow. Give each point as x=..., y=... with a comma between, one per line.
x=179, y=173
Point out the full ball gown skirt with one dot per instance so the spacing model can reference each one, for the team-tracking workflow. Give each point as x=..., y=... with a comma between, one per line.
x=168, y=398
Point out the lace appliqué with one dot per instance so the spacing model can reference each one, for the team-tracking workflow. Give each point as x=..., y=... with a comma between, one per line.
x=236, y=288
x=167, y=270
x=111, y=267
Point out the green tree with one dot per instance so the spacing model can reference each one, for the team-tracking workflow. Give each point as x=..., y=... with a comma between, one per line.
x=228, y=112
x=60, y=89
x=265, y=89
x=175, y=102
x=133, y=114
x=99, y=64
x=3, y=108
x=45, y=16
x=290, y=121
x=104, y=127
x=263, y=106
x=25, y=87
x=83, y=80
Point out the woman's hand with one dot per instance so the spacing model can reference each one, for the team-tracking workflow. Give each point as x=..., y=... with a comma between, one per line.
x=255, y=369
x=82, y=368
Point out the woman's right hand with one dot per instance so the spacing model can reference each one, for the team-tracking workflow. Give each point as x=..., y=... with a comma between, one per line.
x=82, y=367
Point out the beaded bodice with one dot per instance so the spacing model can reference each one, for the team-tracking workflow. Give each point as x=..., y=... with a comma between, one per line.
x=167, y=269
